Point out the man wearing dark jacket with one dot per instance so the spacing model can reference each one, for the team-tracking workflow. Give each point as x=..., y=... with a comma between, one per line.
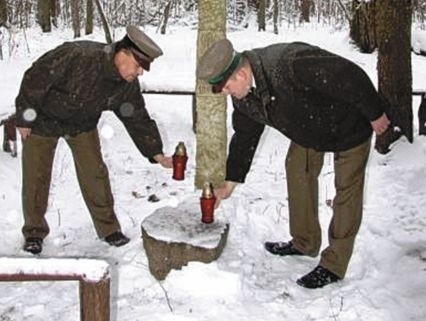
x=322, y=103
x=63, y=94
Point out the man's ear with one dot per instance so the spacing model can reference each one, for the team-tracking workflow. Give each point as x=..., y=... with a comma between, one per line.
x=242, y=74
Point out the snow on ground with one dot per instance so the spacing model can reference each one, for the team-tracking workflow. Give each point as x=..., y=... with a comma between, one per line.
x=386, y=279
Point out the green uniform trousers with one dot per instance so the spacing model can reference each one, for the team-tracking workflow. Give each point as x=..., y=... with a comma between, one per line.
x=37, y=159
x=303, y=166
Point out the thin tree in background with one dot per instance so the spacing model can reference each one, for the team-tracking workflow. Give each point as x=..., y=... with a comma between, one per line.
x=3, y=24
x=363, y=30
x=3, y=13
x=43, y=15
x=104, y=22
x=394, y=68
x=75, y=17
x=210, y=108
x=89, y=17
x=305, y=7
x=276, y=11
x=166, y=17
x=54, y=12
x=261, y=15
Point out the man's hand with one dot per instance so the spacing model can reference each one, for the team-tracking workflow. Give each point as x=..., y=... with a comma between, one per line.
x=381, y=124
x=24, y=132
x=224, y=191
x=165, y=161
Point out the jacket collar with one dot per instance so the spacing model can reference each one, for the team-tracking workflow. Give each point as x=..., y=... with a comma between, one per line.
x=262, y=90
x=110, y=70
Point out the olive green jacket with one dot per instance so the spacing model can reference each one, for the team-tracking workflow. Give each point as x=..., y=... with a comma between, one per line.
x=66, y=90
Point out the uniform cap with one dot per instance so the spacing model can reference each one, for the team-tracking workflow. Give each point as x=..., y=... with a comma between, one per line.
x=218, y=63
x=143, y=47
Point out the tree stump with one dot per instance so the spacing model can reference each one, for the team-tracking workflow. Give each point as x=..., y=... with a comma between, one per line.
x=174, y=236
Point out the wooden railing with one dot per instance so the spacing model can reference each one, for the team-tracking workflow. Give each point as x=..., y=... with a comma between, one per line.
x=93, y=277
x=9, y=122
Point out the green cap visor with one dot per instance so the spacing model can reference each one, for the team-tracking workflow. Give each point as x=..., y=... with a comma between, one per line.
x=224, y=75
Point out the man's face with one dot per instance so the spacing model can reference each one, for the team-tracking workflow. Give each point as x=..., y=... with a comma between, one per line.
x=238, y=85
x=128, y=68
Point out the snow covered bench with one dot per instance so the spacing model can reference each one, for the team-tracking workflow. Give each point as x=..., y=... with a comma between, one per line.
x=93, y=276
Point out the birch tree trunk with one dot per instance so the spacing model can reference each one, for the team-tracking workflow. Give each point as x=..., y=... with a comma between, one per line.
x=210, y=108
x=394, y=68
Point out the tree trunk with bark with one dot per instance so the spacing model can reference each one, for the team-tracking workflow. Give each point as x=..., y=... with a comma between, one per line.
x=166, y=17
x=3, y=13
x=43, y=15
x=276, y=10
x=305, y=6
x=104, y=22
x=363, y=29
x=261, y=13
x=210, y=108
x=54, y=12
x=394, y=68
x=89, y=17
x=75, y=15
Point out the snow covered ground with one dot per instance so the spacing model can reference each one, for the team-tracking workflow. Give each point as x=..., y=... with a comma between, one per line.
x=386, y=279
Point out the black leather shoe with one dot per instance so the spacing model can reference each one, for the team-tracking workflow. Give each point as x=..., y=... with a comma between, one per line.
x=317, y=278
x=33, y=245
x=282, y=248
x=117, y=239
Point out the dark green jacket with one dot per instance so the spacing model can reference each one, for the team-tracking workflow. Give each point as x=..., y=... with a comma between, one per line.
x=70, y=86
x=317, y=99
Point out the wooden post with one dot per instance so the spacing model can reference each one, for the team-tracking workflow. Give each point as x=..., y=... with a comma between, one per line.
x=94, y=287
x=422, y=115
x=94, y=300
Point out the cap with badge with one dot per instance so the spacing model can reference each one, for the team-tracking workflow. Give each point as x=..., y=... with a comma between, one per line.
x=144, y=49
x=218, y=63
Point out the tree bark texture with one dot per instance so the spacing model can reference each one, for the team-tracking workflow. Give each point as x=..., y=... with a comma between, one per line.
x=104, y=22
x=89, y=17
x=75, y=15
x=3, y=13
x=43, y=15
x=94, y=300
x=166, y=17
x=54, y=12
x=276, y=10
x=305, y=6
x=210, y=108
x=261, y=13
x=394, y=68
x=363, y=30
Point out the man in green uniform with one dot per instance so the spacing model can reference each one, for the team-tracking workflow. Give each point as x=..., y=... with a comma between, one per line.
x=63, y=94
x=322, y=103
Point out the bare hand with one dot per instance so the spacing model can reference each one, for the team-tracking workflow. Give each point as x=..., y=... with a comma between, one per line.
x=223, y=192
x=24, y=132
x=165, y=161
x=381, y=124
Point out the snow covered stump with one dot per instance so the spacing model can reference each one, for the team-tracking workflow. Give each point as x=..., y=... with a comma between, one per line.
x=173, y=236
x=93, y=276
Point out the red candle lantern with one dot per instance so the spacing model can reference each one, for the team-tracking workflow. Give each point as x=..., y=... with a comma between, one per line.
x=179, y=162
x=207, y=201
